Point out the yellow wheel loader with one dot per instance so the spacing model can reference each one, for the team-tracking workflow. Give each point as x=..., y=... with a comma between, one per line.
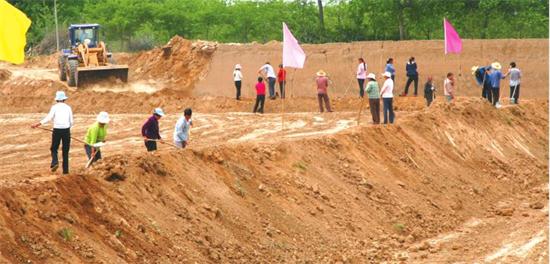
x=87, y=60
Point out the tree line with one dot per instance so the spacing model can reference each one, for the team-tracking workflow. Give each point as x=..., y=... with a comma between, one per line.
x=141, y=24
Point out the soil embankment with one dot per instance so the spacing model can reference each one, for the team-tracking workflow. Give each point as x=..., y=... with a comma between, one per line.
x=367, y=194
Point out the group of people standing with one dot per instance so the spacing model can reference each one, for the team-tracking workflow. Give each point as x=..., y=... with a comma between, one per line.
x=61, y=115
x=489, y=77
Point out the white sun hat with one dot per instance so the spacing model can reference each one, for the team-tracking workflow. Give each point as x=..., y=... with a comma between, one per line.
x=387, y=74
x=158, y=111
x=238, y=66
x=103, y=118
x=496, y=66
x=60, y=96
x=371, y=76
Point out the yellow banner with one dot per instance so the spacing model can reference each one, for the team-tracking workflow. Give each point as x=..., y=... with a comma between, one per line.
x=13, y=29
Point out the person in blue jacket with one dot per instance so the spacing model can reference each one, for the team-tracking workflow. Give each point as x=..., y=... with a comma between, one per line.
x=495, y=77
x=412, y=75
x=389, y=68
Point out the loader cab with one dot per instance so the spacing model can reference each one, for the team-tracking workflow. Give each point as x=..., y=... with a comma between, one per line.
x=78, y=33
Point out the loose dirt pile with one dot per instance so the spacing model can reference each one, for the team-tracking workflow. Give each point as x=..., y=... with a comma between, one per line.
x=367, y=194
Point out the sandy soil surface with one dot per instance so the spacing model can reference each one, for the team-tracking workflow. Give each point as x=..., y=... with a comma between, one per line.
x=452, y=183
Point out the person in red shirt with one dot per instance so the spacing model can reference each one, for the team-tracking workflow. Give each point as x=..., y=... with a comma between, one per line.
x=260, y=96
x=281, y=78
x=322, y=85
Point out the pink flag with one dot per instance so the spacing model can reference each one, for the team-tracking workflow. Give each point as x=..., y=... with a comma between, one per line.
x=293, y=55
x=453, y=43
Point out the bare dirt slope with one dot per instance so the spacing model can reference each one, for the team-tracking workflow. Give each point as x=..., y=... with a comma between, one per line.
x=339, y=60
x=315, y=194
x=460, y=182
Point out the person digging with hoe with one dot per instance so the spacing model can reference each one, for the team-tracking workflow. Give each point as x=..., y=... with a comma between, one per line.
x=95, y=137
x=62, y=116
x=150, y=130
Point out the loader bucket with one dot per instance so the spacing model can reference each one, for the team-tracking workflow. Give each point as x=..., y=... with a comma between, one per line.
x=90, y=75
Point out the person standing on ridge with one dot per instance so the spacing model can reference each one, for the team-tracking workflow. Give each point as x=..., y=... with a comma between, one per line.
x=390, y=68
x=237, y=78
x=96, y=133
x=322, y=95
x=449, y=87
x=260, y=96
x=281, y=78
x=374, y=98
x=495, y=78
x=183, y=126
x=412, y=76
x=361, y=76
x=150, y=130
x=429, y=91
x=515, y=76
x=387, y=98
x=267, y=69
x=62, y=116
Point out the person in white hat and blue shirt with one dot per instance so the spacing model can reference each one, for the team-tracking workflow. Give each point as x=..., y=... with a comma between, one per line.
x=495, y=77
x=238, y=78
x=95, y=136
x=181, y=131
x=150, y=130
x=62, y=116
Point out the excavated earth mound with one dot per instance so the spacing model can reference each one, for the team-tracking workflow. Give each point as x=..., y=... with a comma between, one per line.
x=415, y=192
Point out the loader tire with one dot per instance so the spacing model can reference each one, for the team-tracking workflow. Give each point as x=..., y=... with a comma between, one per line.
x=62, y=74
x=71, y=72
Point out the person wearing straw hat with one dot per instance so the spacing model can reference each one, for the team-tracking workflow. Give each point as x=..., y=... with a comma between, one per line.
x=237, y=78
x=387, y=98
x=181, y=131
x=150, y=130
x=495, y=78
x=515, y=76
x=95, y=134
x=62, y=116
x=322, y=86
x=374, y=98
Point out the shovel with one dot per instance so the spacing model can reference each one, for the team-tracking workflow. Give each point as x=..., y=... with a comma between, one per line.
x=512, y=98
x=96, y=145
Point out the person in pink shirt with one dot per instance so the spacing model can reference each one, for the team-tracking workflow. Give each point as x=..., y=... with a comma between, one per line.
x=322, y=85
x=260, y=96
x=361, y=76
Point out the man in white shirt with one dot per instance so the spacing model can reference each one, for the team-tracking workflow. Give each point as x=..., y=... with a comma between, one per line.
x=62, y=116
x=181, y=131
x=271, y=78
x=515, y=82
x=387, y=97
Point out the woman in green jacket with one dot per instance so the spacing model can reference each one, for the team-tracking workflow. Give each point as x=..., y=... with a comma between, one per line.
x=95, y=137
x=374, y=98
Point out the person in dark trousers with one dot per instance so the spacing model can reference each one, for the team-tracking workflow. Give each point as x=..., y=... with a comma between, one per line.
x=322, y=86
x=95, y=135
x=281, y=78
x=515, y=76
x=361, y=76
x=62, y=116
x=412, y=76
x=495, y=77
x=267, y=69
x=150, y=130
x=481, y=74
x=387, y=98
x=429, y=91
x=260, y=96
x=390, y=68
x=374, y=98
x=237, y=78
